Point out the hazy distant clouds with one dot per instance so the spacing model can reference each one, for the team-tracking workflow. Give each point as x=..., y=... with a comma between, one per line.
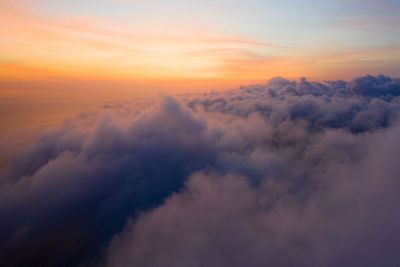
x=291, y=173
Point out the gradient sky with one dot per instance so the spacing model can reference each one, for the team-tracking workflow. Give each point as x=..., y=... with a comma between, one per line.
x=160, y=41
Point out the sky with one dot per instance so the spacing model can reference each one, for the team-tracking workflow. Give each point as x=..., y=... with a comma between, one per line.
x=194, y=43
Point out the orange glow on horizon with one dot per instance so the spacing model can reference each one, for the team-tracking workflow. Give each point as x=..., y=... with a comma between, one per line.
x=77, y=48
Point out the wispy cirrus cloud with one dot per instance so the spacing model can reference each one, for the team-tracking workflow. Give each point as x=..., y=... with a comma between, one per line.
x=86, y=45
x=92, y=47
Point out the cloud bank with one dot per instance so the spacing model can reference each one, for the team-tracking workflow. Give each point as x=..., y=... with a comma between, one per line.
x=291, y=173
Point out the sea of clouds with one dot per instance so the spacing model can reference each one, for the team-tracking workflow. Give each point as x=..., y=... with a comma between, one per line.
x=287, y=173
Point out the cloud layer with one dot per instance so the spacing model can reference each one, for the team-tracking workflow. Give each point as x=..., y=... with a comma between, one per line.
x=292, y=173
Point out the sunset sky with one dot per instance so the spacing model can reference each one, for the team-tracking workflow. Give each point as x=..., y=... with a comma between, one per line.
x=195, y=42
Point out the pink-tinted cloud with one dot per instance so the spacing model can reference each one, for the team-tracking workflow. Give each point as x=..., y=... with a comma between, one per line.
x=282, y=173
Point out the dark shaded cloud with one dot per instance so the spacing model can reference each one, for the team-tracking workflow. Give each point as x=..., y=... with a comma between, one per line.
x=86, y=181
x=291, y=173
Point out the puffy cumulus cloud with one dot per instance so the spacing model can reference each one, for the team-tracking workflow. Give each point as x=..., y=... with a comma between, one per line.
x=76, y=186
x=284, y=173
x=349, y=218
